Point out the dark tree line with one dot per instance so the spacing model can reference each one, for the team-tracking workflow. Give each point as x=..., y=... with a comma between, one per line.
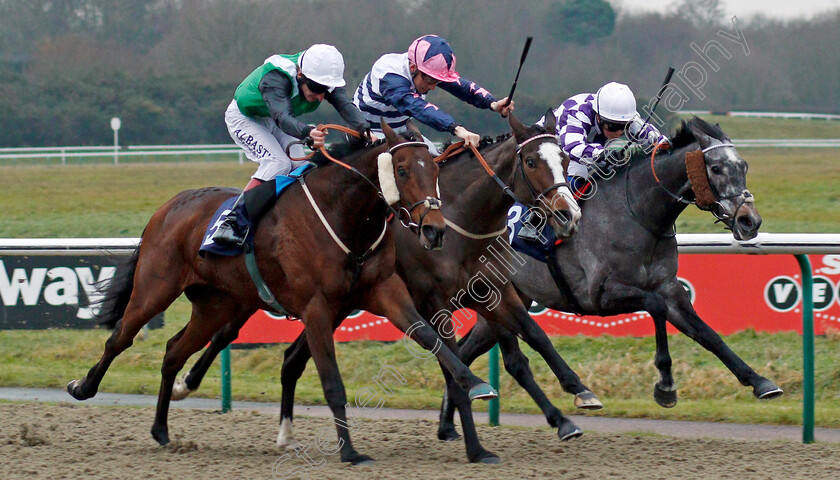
x=168, y=68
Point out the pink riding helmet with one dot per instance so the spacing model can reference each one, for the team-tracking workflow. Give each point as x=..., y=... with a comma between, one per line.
x=434, y=57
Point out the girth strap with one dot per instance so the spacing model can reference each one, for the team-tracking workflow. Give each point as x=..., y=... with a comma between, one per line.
x=262, y=289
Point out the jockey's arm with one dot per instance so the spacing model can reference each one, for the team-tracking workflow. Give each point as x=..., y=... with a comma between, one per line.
x=572, y=138
x=349, y=112
x=398, y=92
x=276, y=90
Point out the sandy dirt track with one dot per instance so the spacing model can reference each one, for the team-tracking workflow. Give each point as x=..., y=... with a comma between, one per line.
x=81, y=442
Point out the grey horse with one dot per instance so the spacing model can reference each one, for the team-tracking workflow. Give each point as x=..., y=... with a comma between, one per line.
x=623, y=258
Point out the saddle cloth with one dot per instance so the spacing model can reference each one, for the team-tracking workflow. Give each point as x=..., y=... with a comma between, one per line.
x=242, y=218
x=524, y=237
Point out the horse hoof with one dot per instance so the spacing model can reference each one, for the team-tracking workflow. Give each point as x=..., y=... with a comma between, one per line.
x=767, y=390
x=359, y=459
x=664, y=397
x=487, y=458
x=587, y=400
x=162, y=437
x=74, y=389
x=568, y=430
x=448, y=434
x=180, y=390
x=483, y=391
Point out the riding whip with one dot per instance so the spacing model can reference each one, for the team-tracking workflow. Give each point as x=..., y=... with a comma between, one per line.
x=521, y=61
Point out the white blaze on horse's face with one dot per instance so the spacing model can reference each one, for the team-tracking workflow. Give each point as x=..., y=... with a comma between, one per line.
x=550, y=152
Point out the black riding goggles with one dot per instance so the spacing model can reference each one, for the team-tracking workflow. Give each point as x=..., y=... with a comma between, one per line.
x=315, y=87
x=610, y=126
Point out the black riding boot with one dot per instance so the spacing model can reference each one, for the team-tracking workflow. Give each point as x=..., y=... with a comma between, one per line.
x=256, y=202
x=229, y=233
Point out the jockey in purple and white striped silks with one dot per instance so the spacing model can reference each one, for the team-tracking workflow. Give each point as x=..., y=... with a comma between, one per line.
x=582, y=132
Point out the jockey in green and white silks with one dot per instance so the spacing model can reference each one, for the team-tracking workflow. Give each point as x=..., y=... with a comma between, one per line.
x=262, y=118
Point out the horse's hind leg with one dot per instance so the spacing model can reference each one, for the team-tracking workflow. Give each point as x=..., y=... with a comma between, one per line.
x=210, y=313
x=149, y=297
x=294, y=363
x=189, y=383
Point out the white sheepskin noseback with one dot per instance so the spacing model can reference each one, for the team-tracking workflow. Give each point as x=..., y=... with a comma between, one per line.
x=387, y=181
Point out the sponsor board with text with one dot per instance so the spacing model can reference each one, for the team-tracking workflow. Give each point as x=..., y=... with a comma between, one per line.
x=730, y=293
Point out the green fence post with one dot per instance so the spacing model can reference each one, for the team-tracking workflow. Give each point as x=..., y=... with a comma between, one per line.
x=807, y=349
x=226, y=379
x=493, y=407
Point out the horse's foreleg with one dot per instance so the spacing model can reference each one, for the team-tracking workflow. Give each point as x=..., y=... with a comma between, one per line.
x=390, y=299
x=683, y=316
x=511, y=315
x=619, y=297
x=517, y=365
x=318, y=318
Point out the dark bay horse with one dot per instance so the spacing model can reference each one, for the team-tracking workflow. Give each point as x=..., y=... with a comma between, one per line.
x=623, y=258
x=302, y=265
x=468, y=271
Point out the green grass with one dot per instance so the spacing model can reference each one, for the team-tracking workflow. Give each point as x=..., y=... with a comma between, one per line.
x=620, y=370
x=748, y=127
x=796, y=191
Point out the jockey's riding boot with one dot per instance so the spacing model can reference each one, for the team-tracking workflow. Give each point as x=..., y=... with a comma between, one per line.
x=229, y=233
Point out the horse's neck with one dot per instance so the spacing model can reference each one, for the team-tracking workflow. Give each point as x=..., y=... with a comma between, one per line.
x=479, y=204
x=350, y=204
x=649, y=198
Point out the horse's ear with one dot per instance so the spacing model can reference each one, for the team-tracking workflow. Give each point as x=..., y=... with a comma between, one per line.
x=517, y=127
x=550, y=122
x=703, y=139
x=412, y=129
x=390, y=135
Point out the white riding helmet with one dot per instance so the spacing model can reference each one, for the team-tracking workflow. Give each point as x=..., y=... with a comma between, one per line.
x=323, y=64
x=615, y=102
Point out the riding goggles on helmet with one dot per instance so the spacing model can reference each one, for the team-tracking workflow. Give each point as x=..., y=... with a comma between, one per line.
x=611, y=126
x=315, y=87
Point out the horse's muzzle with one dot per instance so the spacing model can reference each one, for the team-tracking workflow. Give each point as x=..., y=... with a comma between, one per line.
x=431, y=237
x=745, y=220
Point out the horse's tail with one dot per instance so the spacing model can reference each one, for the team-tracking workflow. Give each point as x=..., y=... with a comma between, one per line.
x=114, y=301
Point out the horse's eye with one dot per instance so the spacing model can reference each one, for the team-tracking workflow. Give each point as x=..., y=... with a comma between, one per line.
x=717, y=170
x=530, y=163
x=402, y=172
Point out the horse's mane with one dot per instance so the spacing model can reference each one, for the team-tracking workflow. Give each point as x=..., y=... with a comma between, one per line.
x=487, y=142
x=343, y=150
x=684, y=135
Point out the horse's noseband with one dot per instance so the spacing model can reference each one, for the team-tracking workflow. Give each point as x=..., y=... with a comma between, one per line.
x=430, y=203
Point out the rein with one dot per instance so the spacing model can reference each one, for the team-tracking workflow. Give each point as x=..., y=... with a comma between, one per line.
x=459, y=147
x=699, y=183
x=430, y=203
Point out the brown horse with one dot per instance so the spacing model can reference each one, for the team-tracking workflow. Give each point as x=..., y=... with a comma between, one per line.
x=304, y=267
x=467, y=272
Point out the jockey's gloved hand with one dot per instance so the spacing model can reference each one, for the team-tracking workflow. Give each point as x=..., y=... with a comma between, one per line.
x=600, y=164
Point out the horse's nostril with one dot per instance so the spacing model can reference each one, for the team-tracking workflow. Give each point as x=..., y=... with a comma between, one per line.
x=430, y=233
